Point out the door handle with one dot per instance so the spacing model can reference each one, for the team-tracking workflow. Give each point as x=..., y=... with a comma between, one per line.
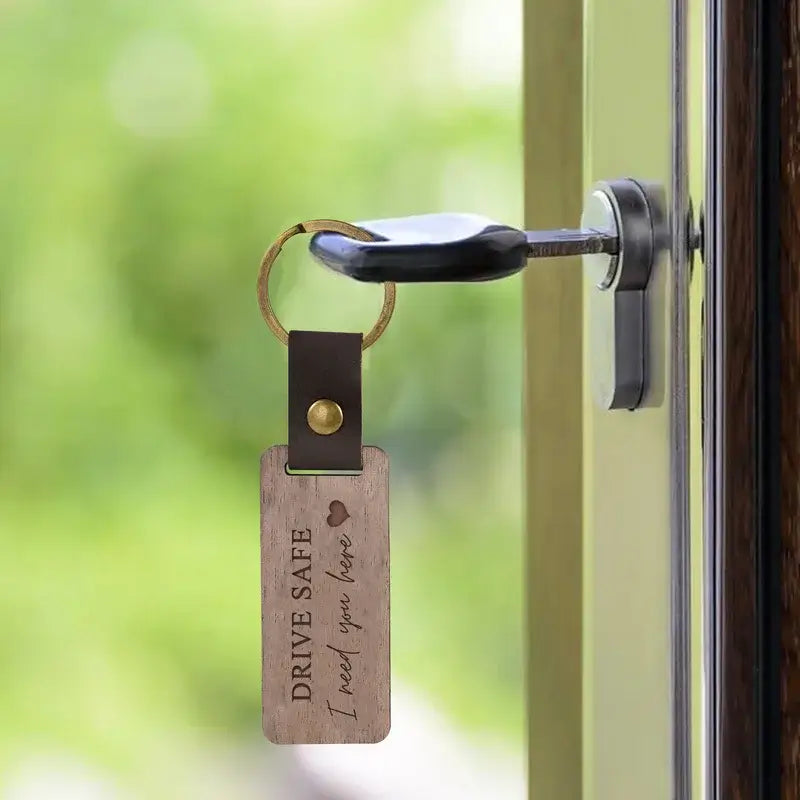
x=623, y=231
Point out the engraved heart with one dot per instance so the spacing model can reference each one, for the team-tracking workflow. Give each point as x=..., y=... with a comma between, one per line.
x=338, y=514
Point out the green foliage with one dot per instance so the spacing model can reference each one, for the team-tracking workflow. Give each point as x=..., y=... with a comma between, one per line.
x=150, y=154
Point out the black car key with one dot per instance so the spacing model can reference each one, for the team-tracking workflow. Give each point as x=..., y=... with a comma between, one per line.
x=431, y=248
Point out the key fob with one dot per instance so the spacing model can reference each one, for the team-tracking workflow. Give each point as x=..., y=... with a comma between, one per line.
x=428, y=248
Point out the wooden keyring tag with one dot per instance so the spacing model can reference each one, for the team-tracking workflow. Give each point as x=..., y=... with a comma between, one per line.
x=325, y=558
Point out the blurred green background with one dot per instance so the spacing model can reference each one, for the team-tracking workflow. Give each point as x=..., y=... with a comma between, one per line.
x=149, y=153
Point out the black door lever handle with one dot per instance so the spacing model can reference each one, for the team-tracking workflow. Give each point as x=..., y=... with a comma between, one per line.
x=449, y=247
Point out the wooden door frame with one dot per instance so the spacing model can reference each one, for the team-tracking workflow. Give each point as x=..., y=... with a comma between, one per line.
x=751, y=382
x=553, y=297
x=752, y=377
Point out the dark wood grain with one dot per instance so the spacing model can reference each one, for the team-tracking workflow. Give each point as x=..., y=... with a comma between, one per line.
x=737, y=169
x=759, y=229
x=790, y=396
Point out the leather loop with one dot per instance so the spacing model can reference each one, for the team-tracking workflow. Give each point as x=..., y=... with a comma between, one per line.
x=324, y=366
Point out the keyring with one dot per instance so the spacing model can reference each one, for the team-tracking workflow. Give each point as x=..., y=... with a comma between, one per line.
x=315, y=226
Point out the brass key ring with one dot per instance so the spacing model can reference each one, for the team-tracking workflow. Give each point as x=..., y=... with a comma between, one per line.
x=315, y=226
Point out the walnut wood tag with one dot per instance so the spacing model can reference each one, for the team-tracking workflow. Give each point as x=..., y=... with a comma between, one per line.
x=325, y=602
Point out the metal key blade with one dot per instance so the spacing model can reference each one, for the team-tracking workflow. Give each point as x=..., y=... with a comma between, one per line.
x=570, y=242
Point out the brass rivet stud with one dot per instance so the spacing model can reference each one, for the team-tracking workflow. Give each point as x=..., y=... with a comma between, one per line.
x=325, y=417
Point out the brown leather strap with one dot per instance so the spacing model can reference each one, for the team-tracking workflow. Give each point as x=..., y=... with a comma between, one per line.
x=324, y=366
